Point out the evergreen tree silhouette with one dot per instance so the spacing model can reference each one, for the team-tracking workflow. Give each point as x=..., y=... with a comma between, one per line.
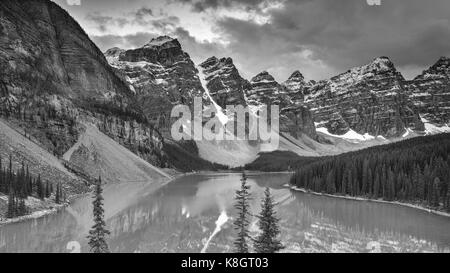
x=242, y=222
x=97, y=234
x=267, y=241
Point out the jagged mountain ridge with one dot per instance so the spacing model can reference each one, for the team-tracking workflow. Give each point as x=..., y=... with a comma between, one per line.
x=296, y=86
x=156, y=76
x=224, y=83
x=160, y=73
x=430, y=93
x=53, y=77
x=219, y=81
x=370, y=99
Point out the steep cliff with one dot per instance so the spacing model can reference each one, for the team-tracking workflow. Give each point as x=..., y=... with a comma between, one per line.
x=45, y=51
x=430, y=93
x=296, y=87
x=52, y=76
x=370, y=99
x=161, y=74
x=223, y=81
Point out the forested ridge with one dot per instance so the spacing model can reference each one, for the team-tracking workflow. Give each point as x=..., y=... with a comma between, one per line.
x=413, y=171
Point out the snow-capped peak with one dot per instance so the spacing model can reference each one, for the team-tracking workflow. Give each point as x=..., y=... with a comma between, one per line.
x=378, y=67
x=380, y=64
x=297, y=76
x=263, y=77
x=440, y=70
x=113, y=52
x=210, y=60
x=159, y=41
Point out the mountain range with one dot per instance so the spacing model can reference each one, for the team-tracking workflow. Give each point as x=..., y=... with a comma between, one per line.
x=60, y=91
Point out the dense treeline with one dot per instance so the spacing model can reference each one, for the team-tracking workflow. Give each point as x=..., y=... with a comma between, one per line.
x=20, y=185
x=184, y=156
x=277, y=161
x=415, y=171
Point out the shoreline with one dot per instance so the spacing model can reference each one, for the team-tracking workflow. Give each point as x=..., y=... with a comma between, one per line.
x=363, y=199
x=56, y=208
x=34, y=215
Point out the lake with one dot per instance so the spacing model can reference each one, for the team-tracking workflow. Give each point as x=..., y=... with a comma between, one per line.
x=194, y=213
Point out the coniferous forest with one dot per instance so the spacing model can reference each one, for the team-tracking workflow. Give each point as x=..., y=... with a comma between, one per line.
x=19, y=185
x=413, y=171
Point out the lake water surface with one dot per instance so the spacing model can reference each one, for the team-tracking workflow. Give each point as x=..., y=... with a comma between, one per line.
x=194, y=213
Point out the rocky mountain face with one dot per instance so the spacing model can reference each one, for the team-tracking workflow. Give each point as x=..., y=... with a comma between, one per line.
x=430, y=92
x=295, y=117
x=370, y=99
x=50, y=69
x=161, y=74
x=296, y=87
x=225, y=85
x=265, y=90
x=45, y=51
x=53, y=78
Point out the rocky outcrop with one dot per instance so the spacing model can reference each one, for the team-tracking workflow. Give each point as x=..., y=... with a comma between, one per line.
x=265, y=90
x=223, y=81
x=369, y=99
x=295, y=117
x=298, y=120
x=430, y=92
x=296, y=86
x=52, y=76
x=161, y=74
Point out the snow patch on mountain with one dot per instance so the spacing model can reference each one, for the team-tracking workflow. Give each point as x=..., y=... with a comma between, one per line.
x=431, y=129
x=159, y=41
x=223, y=118
x=350, y=135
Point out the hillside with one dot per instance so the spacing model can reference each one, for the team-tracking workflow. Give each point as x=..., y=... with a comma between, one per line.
x=39, y=163
x=99, y=155
x=412, y=171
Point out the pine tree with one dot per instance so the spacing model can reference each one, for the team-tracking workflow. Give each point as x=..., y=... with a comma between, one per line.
x=11, y=213
x=376, y=186
x=21, y=207
x=435, y=194
x=448, y=196
x=47, y=190
x=267, y=241
x=39, y=188
x=58, y=194
x=330, y=183
x=242, y=222
x=97, y=234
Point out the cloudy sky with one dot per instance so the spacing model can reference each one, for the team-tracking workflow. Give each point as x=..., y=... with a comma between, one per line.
x=318, y=37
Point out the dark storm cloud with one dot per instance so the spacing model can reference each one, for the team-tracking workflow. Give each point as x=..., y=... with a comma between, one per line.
x=142, y=16
x=142, y=12
x=100, y=20
x=198, y=50
x=202, y=5
x=339, y=34
x=319, y=37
